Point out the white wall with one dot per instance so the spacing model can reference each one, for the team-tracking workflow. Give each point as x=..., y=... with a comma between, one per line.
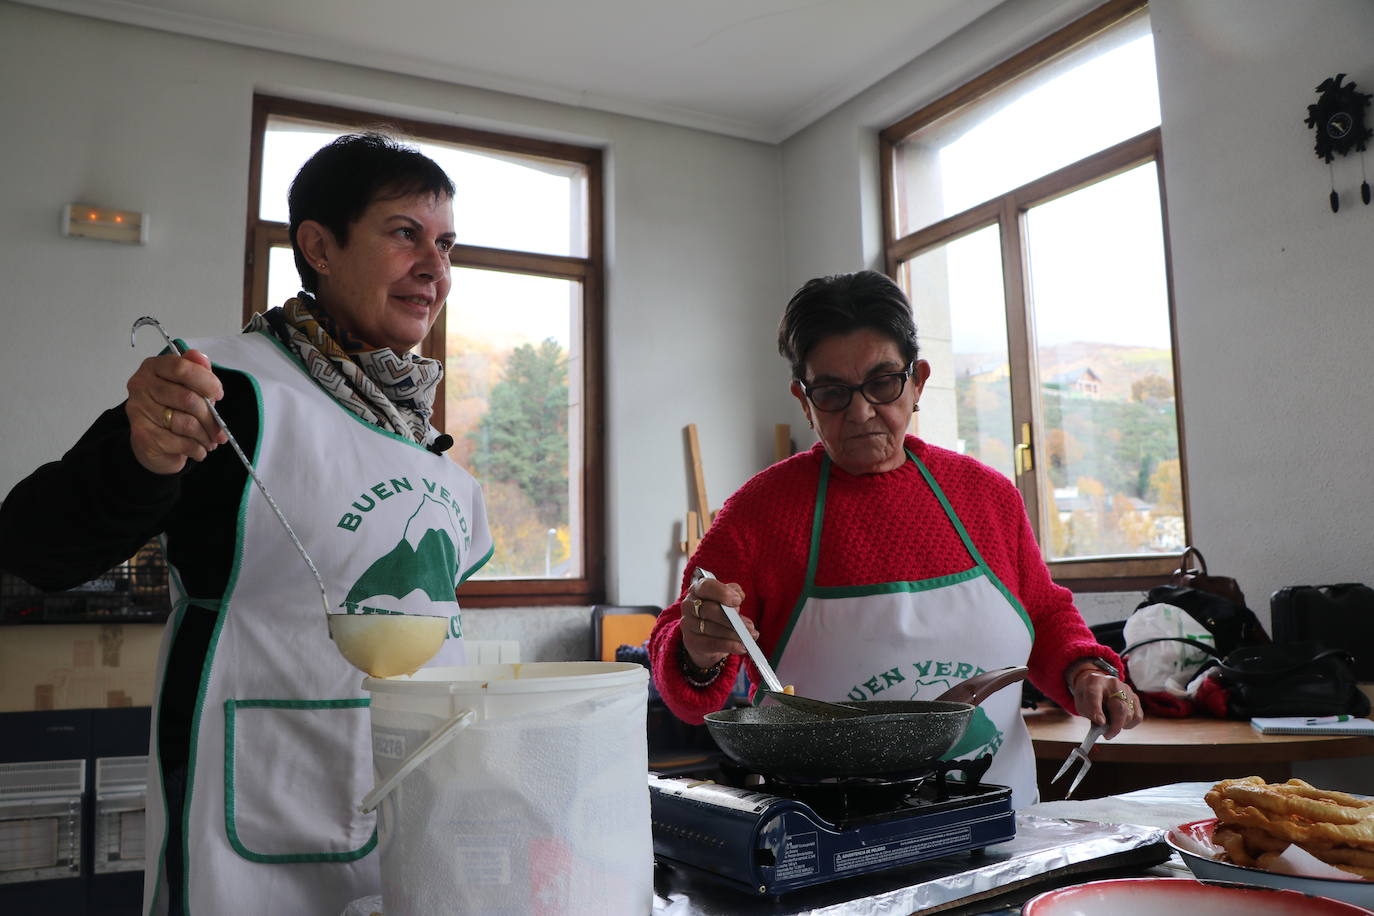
x=149, y=121
x=1273, y=291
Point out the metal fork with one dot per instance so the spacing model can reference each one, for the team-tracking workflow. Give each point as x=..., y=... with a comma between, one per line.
x=1080, y=755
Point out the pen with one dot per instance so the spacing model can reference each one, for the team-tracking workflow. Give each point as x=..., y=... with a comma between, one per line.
x=1325, y=720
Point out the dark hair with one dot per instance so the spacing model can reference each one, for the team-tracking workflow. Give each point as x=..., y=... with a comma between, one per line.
x=840, y=304
x=343, y=179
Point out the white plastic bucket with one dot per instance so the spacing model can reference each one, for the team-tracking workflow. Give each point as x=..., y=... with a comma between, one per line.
x=517, y=789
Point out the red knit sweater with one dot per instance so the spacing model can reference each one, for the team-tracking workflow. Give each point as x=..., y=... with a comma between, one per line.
x=878, y=528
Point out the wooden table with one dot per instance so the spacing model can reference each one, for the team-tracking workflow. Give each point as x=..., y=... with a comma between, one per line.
x=1162, y=751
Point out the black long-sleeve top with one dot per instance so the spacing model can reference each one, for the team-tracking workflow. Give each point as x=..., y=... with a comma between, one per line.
x=73, y=519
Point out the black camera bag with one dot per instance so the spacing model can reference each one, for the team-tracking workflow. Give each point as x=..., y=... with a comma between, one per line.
x=1291, y=679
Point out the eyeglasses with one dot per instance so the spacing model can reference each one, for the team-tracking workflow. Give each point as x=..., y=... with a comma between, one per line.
x=834, y=397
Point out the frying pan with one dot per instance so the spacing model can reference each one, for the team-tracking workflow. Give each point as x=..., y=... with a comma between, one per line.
x=896, y=736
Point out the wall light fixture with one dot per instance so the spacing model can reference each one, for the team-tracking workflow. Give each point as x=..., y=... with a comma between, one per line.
x=92, y=222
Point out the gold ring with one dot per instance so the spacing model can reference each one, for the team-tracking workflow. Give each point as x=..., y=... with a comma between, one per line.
x=1125, y=697
x=696, y=607
x=167, y=417
x=701, y=627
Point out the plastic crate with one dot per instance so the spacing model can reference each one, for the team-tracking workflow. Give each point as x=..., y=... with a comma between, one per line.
x=135, y=590
x=120, y=821
x=41, y=820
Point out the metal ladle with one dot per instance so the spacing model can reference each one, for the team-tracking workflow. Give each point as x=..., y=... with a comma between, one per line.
x=381, y=645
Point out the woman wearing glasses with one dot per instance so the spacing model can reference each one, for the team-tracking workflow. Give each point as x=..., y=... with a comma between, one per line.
x=876, y=565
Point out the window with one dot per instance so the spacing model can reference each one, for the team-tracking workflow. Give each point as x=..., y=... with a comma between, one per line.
x=1025, y=218
x=520, y=338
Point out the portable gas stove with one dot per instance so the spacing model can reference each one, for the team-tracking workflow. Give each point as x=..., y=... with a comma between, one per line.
x=768, y=836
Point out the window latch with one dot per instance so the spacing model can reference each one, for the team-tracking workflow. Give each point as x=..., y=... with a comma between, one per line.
x=1025, y=458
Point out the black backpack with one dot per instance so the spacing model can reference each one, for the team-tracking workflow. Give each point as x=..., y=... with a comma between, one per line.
x=1334, y=615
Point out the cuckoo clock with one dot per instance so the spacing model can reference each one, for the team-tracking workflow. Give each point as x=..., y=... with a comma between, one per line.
x=1338, y=119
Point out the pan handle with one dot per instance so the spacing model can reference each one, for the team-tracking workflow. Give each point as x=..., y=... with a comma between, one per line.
x=981, y=686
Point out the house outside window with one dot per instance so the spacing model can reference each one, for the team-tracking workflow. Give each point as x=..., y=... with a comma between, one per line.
x=1025, y=218
x=519, y=339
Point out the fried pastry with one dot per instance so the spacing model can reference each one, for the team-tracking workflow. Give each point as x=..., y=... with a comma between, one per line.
x=1256, y=821
x=1258, y=841
x=1344, y=856
x=1231, y=840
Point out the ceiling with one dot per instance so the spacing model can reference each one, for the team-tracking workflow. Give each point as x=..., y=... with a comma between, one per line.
x=759, y=69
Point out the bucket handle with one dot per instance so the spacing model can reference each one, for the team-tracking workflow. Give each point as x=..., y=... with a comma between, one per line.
x=446, y=733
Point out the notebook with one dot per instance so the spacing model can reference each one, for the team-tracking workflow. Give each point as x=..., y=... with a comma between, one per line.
x=1313, y=725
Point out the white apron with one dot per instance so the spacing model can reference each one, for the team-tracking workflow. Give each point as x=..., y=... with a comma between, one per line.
x=913, y=641
x=281, y=749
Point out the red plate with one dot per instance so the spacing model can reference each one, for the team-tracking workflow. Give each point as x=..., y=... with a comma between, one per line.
x=1175, y=896
x=1360, y=893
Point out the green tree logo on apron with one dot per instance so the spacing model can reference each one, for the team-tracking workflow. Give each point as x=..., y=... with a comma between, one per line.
x=424, y=558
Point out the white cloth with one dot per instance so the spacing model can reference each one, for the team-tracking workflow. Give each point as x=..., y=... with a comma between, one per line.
x=540, y=806
x=914, y=640
x=364, y=906
x=281, y=753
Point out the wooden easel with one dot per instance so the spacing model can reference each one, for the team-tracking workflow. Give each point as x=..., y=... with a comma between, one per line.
x=700, y=517
x=699, y=513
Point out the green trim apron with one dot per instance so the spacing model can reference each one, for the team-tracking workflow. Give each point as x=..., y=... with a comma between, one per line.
x=914, y=640
x=281, y=747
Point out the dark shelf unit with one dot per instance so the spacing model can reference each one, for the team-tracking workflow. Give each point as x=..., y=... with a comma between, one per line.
x=89, y=735
x=134, y=591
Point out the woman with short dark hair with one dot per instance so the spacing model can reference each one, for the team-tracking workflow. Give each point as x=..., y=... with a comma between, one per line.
x=876, y=565
x=261, y=746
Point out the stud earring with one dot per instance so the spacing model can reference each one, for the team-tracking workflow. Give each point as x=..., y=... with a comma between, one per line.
x=916, y=407
x=322, y=266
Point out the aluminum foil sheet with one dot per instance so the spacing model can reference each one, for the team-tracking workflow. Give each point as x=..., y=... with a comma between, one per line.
x=1161, y=806
x=1060, y=837
x=1043, y=847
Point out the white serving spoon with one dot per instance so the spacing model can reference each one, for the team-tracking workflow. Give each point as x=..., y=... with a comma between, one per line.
x=772, y=686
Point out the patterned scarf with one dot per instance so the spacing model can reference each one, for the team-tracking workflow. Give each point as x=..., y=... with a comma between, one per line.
x=394, y=392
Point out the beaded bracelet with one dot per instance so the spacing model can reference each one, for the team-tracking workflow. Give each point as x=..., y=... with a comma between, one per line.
x=699, y=677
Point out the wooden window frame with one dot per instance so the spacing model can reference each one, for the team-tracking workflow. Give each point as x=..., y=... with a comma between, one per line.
x=263, y=235
x=1008, y=211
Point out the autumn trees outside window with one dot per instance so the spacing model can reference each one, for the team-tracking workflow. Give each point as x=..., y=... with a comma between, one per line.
x=520, y=337
x=1025, y=217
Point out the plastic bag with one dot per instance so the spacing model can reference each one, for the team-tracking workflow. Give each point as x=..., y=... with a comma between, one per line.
x=1232, y=625
x=1162, y=643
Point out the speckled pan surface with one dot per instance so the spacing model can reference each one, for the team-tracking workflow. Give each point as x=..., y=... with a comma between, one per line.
x=898, y=736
